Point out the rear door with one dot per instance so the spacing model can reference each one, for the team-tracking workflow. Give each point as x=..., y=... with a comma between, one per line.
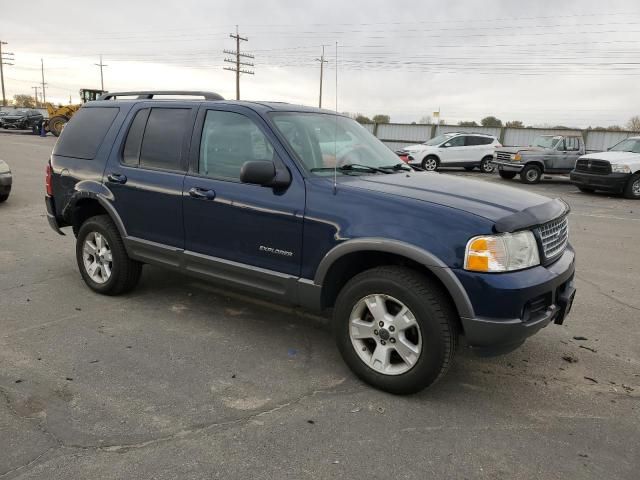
x=147, y=172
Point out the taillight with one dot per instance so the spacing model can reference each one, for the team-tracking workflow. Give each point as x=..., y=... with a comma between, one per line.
x=47, y=180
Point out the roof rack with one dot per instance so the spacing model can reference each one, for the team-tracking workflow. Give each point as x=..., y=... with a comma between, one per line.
x=149, y=94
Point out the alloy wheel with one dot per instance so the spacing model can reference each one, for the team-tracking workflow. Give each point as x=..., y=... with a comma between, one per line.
x=430, y=164
x=97, y=257
x=385, y=334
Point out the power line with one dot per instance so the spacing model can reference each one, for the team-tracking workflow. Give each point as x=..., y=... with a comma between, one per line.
x=238, y=68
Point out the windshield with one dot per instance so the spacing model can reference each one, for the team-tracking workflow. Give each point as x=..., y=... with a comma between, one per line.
x=628, y=145
x=546, y=141
x=323, y=142
x=438, y=140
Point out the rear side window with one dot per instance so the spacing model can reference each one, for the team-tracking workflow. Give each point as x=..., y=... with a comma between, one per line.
x=85, y=132
x=163, y=138
x=131, y=152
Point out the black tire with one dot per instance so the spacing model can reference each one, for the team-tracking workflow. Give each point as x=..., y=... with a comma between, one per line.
x=4, y=198
x=487, y=165
x=586, y=189
x=632, y=189
x=434, y=314
x=469, y=169
x=530, y=174
x=506, y=175
x=56, y=124
x=430, y=163
x=125, y=272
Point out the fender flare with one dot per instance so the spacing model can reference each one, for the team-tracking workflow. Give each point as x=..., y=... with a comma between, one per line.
x=397, y=247
x=90, y=189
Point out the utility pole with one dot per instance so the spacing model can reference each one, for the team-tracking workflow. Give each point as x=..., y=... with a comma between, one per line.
x=322, y=62
x=101, y=76
x=5, y=59
x=238, y=64
x=35, y=90
x=44, y=95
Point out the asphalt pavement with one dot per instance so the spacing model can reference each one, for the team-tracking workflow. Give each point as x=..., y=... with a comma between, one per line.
x=182, y=379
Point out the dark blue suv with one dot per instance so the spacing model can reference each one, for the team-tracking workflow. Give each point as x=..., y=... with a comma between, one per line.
x=306, y=206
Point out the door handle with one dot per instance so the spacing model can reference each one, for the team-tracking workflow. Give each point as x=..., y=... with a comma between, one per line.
x=117, y=178
x=202, y=193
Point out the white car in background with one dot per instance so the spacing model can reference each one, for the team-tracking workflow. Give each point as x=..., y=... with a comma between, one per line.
x=455, y=149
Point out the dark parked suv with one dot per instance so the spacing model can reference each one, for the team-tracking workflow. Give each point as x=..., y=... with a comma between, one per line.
x=306, y=206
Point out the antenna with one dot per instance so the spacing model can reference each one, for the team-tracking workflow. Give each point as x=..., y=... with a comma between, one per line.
x=335, y=133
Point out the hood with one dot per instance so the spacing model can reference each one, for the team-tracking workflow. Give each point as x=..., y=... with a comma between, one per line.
x=13, y=116
x=614, y=157
x=416, y=147
x=520, y=149
x=485, y=199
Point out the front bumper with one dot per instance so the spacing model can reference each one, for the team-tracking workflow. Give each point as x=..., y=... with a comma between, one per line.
x=5, y=183
x=509, y=307
x=613, y=182
x=508, y=166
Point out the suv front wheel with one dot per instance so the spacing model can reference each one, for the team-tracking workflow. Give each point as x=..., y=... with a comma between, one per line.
x=102, y=259
x=395, y=329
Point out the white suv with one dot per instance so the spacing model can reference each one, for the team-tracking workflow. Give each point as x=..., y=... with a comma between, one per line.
x=616, y=170
x=468, y=150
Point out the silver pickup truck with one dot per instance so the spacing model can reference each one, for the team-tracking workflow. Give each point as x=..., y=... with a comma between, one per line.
x=547, y=154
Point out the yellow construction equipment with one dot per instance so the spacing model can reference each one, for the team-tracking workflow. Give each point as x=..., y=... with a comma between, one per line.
x=60, y=115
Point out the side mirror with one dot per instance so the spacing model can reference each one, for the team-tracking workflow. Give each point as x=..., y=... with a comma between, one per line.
x=446, y=145
x=263, y=172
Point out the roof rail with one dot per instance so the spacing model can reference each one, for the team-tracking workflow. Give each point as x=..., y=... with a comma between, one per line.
x=149, y=94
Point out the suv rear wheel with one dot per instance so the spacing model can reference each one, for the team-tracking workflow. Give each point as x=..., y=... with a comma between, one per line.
x=486, y=165
x=395, y=329
x=102, y=259
x=530, y=174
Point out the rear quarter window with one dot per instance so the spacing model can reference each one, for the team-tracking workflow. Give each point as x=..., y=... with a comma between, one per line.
x=84, y=133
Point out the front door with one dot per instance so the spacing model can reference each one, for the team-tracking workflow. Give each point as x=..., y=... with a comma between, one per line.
x=232, y=226
x=568, y=152
x=454, y=152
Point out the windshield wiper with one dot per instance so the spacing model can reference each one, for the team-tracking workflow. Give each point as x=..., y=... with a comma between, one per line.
x=398, y=167
x=351, y=167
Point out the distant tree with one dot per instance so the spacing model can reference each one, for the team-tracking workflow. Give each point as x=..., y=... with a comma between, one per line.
x=615, y=128
x=381, y=118
x=634, y=123
x=442, y=121
x=362, y=118
x=472, y=123
x=426, y=119
x=560, y=127
x=514, y=124
x=491, y=121
x=26, y=101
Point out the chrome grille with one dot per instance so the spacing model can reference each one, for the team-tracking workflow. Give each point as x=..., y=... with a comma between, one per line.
x=503, y=156
x=554, y=236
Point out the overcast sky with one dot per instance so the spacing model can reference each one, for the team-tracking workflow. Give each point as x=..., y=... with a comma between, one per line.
x=573, y=63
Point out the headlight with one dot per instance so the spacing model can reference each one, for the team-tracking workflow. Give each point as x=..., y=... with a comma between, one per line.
x=516, y=157
x=4, y=168
x=502, y=253
x=620, y=168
